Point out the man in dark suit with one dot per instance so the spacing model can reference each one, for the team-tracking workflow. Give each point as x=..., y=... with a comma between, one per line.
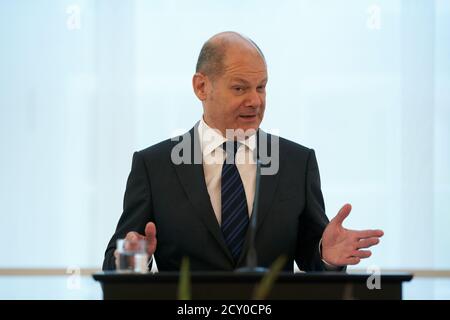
x=193, y=196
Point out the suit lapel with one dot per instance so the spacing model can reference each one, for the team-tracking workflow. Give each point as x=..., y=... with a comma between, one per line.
x=192, y=179
x=268, y=182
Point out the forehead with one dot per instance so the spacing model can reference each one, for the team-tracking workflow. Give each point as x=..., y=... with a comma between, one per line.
x=245, y=68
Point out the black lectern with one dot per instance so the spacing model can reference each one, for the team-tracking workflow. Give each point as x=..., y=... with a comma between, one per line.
x=236, y=286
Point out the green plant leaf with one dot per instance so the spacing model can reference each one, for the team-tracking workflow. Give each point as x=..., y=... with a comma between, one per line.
x=262, y=290
x=184, y=284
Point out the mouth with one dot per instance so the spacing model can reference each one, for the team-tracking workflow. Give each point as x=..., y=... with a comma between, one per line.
x=247, y=117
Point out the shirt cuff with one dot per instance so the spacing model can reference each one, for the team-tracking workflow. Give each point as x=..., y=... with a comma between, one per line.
x=150, y=263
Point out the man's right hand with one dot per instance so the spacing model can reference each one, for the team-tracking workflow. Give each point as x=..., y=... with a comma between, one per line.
x=150, y=236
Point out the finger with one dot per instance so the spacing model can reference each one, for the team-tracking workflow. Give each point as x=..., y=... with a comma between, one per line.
x=353, y=260
x=132, y=240
x=151, y=247
x=367, y=243
x=150, y=233
x=134, y=236
x=369, y=234
x=363, y=254
x=342, y=214
x=150, y=230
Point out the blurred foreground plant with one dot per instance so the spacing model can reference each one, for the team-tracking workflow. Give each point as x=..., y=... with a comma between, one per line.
x=184, y=284
x=262, y=290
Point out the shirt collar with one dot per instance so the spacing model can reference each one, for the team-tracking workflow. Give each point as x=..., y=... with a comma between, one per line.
x=211, y=139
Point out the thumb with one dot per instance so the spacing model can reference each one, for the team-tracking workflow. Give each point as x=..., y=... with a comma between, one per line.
x=150, y=231
x=150, y=234
x=342, y=214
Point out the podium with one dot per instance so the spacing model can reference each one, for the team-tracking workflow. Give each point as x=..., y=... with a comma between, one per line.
x=237, y=286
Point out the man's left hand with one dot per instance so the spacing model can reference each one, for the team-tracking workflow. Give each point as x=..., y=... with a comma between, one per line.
x=341, y=247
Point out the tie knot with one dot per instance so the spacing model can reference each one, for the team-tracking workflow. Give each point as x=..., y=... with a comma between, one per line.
x=230, y=148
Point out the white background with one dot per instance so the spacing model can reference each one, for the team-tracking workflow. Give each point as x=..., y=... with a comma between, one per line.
x=364, y=83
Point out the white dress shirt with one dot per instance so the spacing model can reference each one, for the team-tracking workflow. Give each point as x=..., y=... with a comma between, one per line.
x=211, y=141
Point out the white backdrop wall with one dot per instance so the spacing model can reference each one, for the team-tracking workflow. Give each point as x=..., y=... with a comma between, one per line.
x=83, y=84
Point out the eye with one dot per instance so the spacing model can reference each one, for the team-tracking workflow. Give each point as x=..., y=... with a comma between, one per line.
x=261, y=88
x=238, y=89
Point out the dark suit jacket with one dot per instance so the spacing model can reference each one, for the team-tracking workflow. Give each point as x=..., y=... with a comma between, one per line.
x=291, y=216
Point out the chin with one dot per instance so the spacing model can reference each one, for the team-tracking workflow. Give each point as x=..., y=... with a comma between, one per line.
x=246, y=127
x=250, y=125
x=255, y=127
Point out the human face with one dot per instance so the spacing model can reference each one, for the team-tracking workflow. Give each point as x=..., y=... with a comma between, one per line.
x=236, y=99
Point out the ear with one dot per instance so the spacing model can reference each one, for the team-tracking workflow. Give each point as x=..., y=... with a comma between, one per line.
x=200, y=85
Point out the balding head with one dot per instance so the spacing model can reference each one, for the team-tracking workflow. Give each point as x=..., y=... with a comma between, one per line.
x=211, y=60
x=231, y=82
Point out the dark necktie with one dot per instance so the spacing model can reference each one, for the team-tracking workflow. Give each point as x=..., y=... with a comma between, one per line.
x=234, y=203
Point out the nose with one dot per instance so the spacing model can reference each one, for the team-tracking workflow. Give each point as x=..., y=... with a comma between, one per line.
x=253, y=100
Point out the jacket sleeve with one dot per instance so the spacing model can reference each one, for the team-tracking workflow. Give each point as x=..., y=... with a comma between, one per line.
x=137, y=208
x=312, y=222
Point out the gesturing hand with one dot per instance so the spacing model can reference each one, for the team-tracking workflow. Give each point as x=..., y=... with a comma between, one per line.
x=150, y=236
x=342, y=246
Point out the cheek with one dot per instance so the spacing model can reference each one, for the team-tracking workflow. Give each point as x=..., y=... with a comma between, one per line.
x=235, y=106
x=263, y=100
x=227, y=110
x=263, y=108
